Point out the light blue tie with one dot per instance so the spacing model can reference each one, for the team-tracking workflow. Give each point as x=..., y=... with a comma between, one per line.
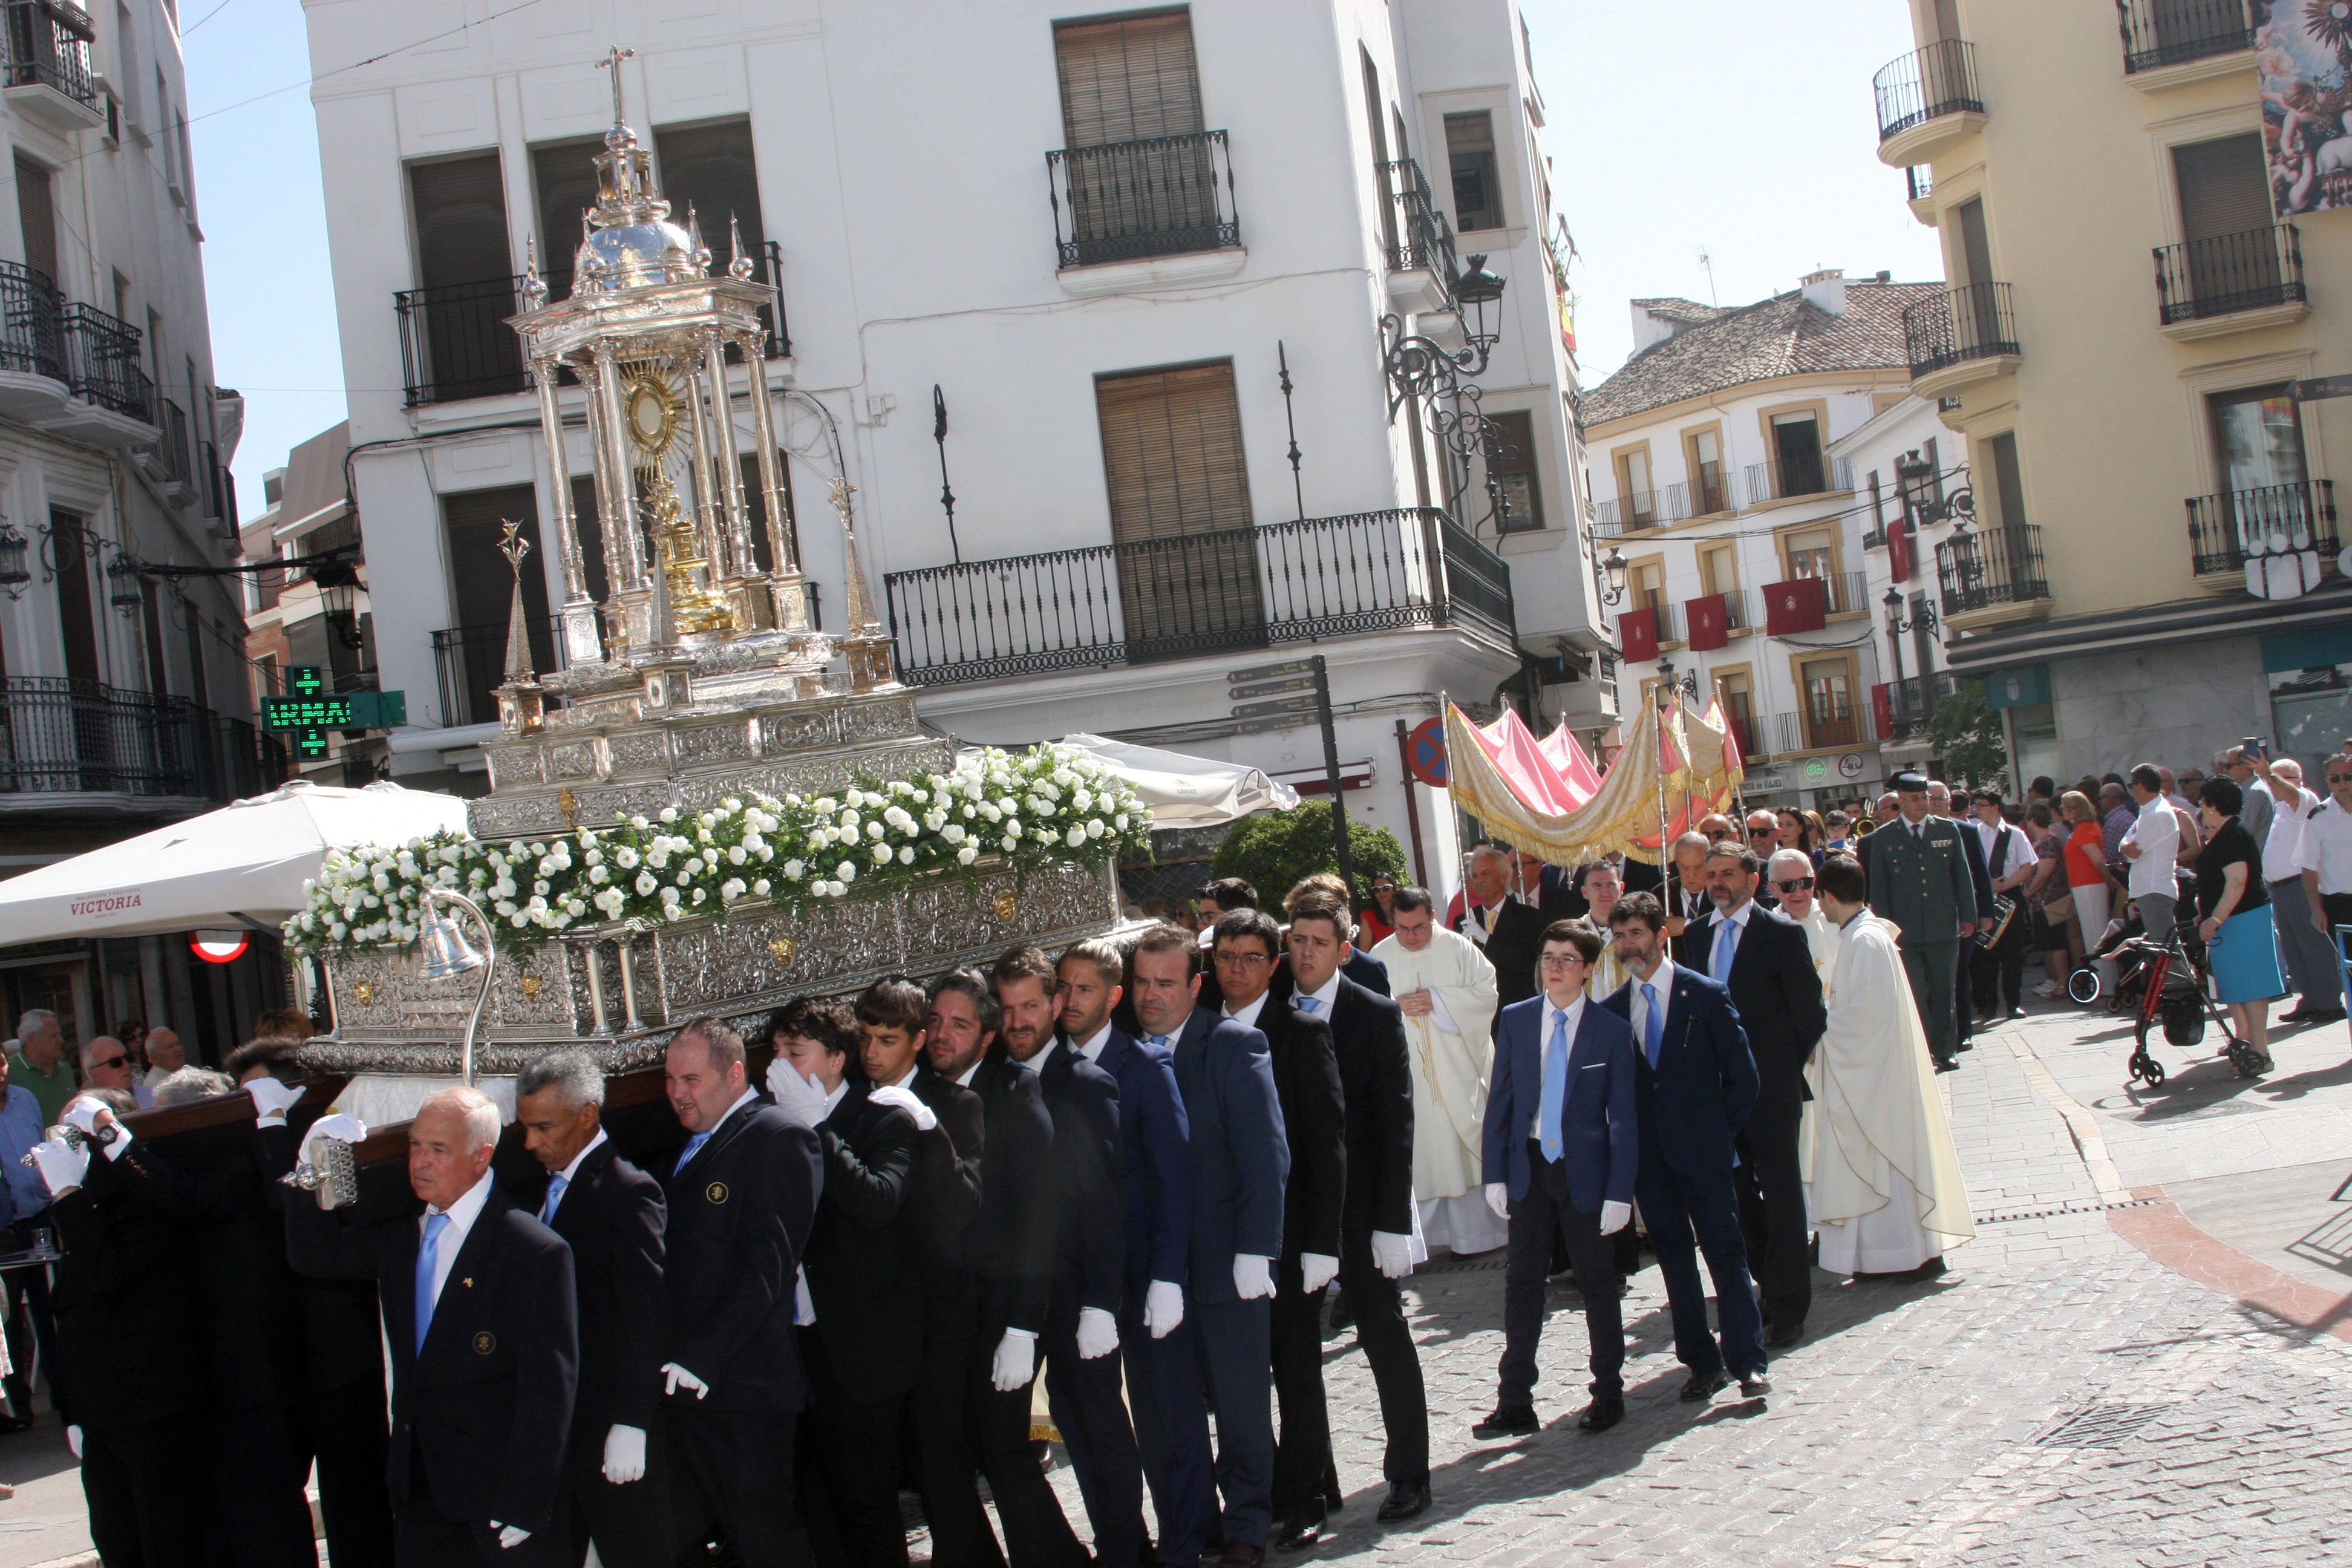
x=1555, y=1084
x=693, y=1147
x=1308, y=1003
x=427, y=1255
x=1653, y=1023
x=1727, y=946
x=554, y=1195
x=1160, y=1040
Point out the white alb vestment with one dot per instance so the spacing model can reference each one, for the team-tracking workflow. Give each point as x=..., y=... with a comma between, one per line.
x=1885, y=1191
x=1451, y=1051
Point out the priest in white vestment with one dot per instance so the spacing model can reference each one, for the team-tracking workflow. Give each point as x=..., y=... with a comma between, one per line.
x=1446, y=988
x=1885, y=1194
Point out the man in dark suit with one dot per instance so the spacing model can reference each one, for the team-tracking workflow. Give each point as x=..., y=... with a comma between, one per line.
x=1240, y=1160
x=1088, y=1284
x=1943, y=805
x=478, y=1308
x=1694, y=1083
x=616, y=1480
x=742, y=1197
x=1682, y=893
x=1314, y=1118
x=1013, y=1251
x=1560, y=1134
x=1507, y=928
x=1376, y=1228
x=1358, y=966
x=1762, y=957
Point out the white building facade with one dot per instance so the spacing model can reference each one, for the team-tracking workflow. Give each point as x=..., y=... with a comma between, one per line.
x=1114, y=288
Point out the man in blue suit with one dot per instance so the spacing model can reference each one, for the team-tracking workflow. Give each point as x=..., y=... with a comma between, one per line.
x=1694, y=1083
x=1560, y=1121
x=1240, y=1160
x=1155, y=1177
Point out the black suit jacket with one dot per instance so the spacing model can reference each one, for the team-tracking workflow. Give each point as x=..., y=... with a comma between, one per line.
x=1513, y=946
x=1315, y=1120
x=1979, y=871
x=865, y=1252
x=342, y=1341
x=487, y=1402
x=1375, y=1081
x=1778, y=994
x=1365, y=970
x=1690, y=907
x=740, y=1213
x=1088, y=1194
x=1017, y=1223
x=613, y=1218
x=122, y=1300
x=947, y=1196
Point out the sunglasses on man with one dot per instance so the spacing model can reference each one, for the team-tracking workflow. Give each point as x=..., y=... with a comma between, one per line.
x=1794, y=884
x=1762, y=832
x=110, y=1062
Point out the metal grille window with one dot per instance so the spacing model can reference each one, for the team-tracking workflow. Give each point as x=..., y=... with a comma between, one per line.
x=1511, y=458
x=1470, y=155
x=1174, y=467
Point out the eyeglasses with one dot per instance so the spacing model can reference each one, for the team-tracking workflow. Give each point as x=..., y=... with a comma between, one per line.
x=110, y=1062
x=1794, y=884
x=1561, y=960
x=1762, y=832
x=1246, y=960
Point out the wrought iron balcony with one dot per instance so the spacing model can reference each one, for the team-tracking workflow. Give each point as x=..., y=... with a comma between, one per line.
x=1997, y=566
x=48, y=45
x=1925, y=85
x=1822, y=475
x=1196, y=595
x=1632, y=511
x=1973, y=321
x=471, y=662
x=2160, y=33
x=32, y=334
x=455, y=342
x=2226, y=530
x=1824, y=727
x=1123, y=201
x=60, y=736
x=2229, y=273
x=1911, y=701
x=1421, y=238
x=101, y=355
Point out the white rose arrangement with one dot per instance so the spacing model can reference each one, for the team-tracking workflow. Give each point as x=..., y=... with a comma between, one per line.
x=1046, y=806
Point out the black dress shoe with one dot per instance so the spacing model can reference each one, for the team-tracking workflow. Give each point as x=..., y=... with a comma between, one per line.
x=1754, y=1387
x=10, y=1423
x=1704, y=1385
x=1946, y=1064
x=1238, y=1555
x=1519, y=1423
x=1294, y=1534
x=1931, y=1270
x=1601, y=1415
x=1406, y=1499
x=1334, y=1500
x=1785, y=1334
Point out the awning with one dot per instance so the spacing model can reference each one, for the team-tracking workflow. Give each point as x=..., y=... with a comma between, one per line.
x=242, y=866
x=1186, y=791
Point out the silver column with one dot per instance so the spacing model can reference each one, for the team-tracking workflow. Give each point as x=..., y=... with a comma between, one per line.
x=741, y=562
x=792, y=604
x=581, y=644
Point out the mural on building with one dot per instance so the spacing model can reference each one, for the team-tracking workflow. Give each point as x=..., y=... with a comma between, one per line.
x=2304, y=58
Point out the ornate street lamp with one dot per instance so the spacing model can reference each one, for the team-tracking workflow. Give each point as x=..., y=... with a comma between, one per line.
x=338, y=583
x=14, y=572
x=122, y=584
x=1615, y=567
x=1418, y=366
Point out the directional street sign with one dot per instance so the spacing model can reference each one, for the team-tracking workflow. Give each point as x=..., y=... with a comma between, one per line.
x=1267, y=709
x=1240, y=689
x=1273, y=671
x=2318, y=387
x=1262, y=726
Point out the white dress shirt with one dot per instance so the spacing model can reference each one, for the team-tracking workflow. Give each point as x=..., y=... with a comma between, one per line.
x=2157, y=834
x=1739, y=917
x=462, y=1216
x=565, y=1174
x=1574, y=1013
x=1036, y=1064
x=2284, y=840
x=1247, y=1017
x=2327, y=848
x=964, y=1079
x=1093, y=1049
x=1663, y=980
x=1322, y=998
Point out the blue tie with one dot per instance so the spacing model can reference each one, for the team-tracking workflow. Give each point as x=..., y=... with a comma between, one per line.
x=1555, y=1084
x=427, y=1254
x=1307, y=1004
x=1160, y=1040
x=693, y=1147
x=1653, y=1023
x=1727, y=946
x=554, y=1195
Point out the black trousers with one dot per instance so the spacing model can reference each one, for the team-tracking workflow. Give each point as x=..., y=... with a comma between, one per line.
x=731, y=1474
x=1026, y=1508
x=1302, y=1458
x=259, y=1461
x=1171, y=1425
x=1235, y=1340
x=1543, y=1217
x=1998, y=972
x=1772, y=1201
x=629, y=1524
x=849, y=1469
x=32, y=1332
x=146, y=1501
x=1964, y=987
x=1089, y=1406
x=941, y=1432
x=344, y=1432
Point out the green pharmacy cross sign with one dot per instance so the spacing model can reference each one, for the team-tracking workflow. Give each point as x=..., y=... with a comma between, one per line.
x=310, y=711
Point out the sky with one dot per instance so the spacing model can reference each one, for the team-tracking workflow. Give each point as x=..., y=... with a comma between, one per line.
x=1740, y=130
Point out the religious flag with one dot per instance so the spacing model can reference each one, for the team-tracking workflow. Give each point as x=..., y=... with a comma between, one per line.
x=1637, y=635
x=1719, y=720
x=1898, y=549
x=1881, y=706
x=1798, y=605
x=1707, y=629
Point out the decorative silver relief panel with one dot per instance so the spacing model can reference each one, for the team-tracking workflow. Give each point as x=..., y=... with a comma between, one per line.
x=708, y=743
x=639, y=751
x=572, y=760
x=788, y=730
x=516, y=762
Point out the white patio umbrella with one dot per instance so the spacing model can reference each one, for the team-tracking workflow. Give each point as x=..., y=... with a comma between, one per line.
x=1187, y=791
x=241, y=867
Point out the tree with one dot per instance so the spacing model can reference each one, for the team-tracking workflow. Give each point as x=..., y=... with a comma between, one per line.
x=1274, y=849
x=1968, y=737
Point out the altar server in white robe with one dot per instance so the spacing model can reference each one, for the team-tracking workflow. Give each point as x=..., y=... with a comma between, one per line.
x=1446, y=988
x=1887, y=1194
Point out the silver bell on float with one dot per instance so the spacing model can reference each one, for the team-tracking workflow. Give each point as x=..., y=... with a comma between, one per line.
x=443, y=951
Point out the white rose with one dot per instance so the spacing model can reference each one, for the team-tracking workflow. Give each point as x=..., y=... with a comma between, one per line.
x=1012, y=841
x=907, y=856
x=967, y=854
x=736, y=856
x=1078, y=836
x=843, y=872
x=760, y=887
x=646, y=883
x=881, y=854
x=669, y=894
x=952, y=832
x=1094, y=827
x=873, y=830
x=700, y=894
x=792, y=869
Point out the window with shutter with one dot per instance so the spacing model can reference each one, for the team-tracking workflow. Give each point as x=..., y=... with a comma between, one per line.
x=1830, y=718
x=37, y=211
x=481, y=590
x=1511, y=455
x=2225, y=221
x=1797, y=455
x=1139, y=162
x=710, y=169
x=466, y=276
x=1180, y=511
x=1127, y=79
x=563, y=181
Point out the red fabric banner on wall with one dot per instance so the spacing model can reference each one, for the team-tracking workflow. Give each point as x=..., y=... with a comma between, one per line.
x=1706, y=618
x=1898, y=549
x=1637, y=635
x=1882, y=707
x=1798, y=605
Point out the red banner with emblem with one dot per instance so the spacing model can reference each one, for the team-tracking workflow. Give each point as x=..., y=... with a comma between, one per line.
x=1798, y=605
x=1882, y=707
x=1637, y=635
x=1898, y=549
x=1708, y=623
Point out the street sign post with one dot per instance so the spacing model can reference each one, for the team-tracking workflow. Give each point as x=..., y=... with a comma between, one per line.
x=1306, y=703
x=1272, y=671
x=2319, y=387
x=1239, y=689
x=1331, y=774
x=1296, y=688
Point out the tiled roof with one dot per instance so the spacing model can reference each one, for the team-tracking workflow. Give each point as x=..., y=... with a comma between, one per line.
x=1784, y=335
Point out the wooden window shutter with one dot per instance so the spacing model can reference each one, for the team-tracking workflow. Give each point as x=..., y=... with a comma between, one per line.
x=459, y=207
x=1181, y=530
x=2225, y=187
x=1127, y=79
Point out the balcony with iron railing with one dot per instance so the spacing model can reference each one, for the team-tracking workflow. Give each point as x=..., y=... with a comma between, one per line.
x=102, y=355
x=32, y=329
x=2159, y=35
x=48, y=65
x=1831, y=724
x=1418, y=236
x=2231, y=282
x=2230, y=532
x=1817, y=475
x=1127, y=201
x=61, y=736
x=455, y=342
x=1634, y=510
x=1196, y=595
x=1911, y=701
x=1928, y=99
x=1962, y=336
x=1992, y=576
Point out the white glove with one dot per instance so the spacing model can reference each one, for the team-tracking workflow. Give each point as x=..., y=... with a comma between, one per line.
x=1252, y=1276
x=510, y=1537
x=1615, y=1218
x=61, y=1168
x=677, y=1377
x=1098, y=1333
x=1498, y=1198
x=795, y=1096
x=1392, y=1254
x=902, y=1096
x=1017, y=1360
x=83, y=1113
x=1319, y=1269
x=625, y=1455
x=73, y=1441
x=342, y=1128
x=1163, y=1308
x=271, y=1100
